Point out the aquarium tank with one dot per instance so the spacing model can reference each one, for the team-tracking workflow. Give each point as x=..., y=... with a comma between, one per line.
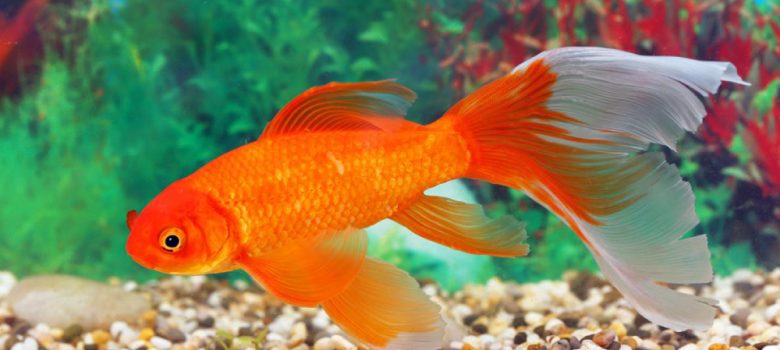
x=105, y=103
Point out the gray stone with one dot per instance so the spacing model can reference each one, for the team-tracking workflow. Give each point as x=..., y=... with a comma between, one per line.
x=60, y=301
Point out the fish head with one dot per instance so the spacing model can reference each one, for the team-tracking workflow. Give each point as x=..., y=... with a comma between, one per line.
x=181, y=231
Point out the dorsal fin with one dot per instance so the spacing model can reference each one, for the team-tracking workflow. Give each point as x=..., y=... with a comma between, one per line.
x=376, y=105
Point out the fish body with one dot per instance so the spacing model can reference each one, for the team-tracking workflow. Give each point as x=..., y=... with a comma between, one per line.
x=294, y=187
x=570, y=127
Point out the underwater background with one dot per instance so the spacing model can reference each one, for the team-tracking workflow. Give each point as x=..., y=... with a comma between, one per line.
x=103, y=103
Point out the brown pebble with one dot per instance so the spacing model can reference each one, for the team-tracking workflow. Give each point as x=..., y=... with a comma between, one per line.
x=479, y=328
x=718, y=346
x=206, y=322
x=9, y=320
x=760, y=345
x=21, y=328
x=740, y=317
x=173, y=334
x=736, y=341
x=604, y=338
x=614, y=346
x=91, y=347
x=561, y=345
x=667, y=347
x=246, y=332
x=520, y=338
x=571, y=322
x=539, y=330
x=749, y=347
x=468, y=346
x=574, y=343
x=518, y=321
x=666, y=337
x=537, y=346
x=72, y=332
x=469, y=320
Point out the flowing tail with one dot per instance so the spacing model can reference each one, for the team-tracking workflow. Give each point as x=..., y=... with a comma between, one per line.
x=571, y=128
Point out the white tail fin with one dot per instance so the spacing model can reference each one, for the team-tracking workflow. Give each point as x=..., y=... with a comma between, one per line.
x=571, y=128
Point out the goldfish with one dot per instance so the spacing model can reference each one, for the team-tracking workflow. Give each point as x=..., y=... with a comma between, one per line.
x=570, y=127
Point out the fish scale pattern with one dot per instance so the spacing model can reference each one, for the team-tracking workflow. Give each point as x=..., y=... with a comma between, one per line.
x=295, y=187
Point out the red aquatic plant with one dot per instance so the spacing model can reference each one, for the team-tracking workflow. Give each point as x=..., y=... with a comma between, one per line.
x=12, y=32
x=720, y=123
x=616, y=27
x=763, y=138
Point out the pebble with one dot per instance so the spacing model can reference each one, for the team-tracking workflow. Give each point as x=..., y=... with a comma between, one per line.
x=173, y=334
x=520, y=338
x=100, y=337
x=26, y=344
x=160, y=343
x=619, y=329
x=59, y=301
x=192, y=313
x=561, y=345
x=146, y=334
x=604, y=338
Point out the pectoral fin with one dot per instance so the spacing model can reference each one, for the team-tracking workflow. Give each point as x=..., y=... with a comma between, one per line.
x=309, y=272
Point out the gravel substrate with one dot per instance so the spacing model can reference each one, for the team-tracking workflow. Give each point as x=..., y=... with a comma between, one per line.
x=579, y=312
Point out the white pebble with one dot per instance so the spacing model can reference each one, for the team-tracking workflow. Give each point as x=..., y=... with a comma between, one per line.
x=473, y=341
x=27, y=344
x=282, y=324
x=321, y=321
x=487, y=339
x=128, y=336
x=241, y=284
x=429, y=290
x=554, y=325
x=533, y=318
x=7, y=281
x=771, y=347
x=160, y=343
x=214, y=299
x=772, y=311
x=130, y=286
x=197, y=281
x=342, y=344
x=689, y=346
x=324, y=344
x=118, y=327
x=275, y=338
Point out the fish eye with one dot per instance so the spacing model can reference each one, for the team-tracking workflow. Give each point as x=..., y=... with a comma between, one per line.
x=172, y=239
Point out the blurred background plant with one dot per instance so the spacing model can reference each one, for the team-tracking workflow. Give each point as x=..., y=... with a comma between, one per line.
x=105, y=102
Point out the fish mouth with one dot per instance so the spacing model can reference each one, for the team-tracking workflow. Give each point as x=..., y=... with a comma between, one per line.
x=140, y=255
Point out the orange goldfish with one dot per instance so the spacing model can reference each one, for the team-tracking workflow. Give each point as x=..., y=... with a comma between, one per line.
x=569, y=127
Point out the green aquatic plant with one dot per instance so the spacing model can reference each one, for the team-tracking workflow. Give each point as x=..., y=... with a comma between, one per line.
x=227, y=341
x=129, y=100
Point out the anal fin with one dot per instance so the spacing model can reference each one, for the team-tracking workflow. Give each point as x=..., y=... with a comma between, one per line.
x=306, y=273
x=385, y=308
x=464, y=227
